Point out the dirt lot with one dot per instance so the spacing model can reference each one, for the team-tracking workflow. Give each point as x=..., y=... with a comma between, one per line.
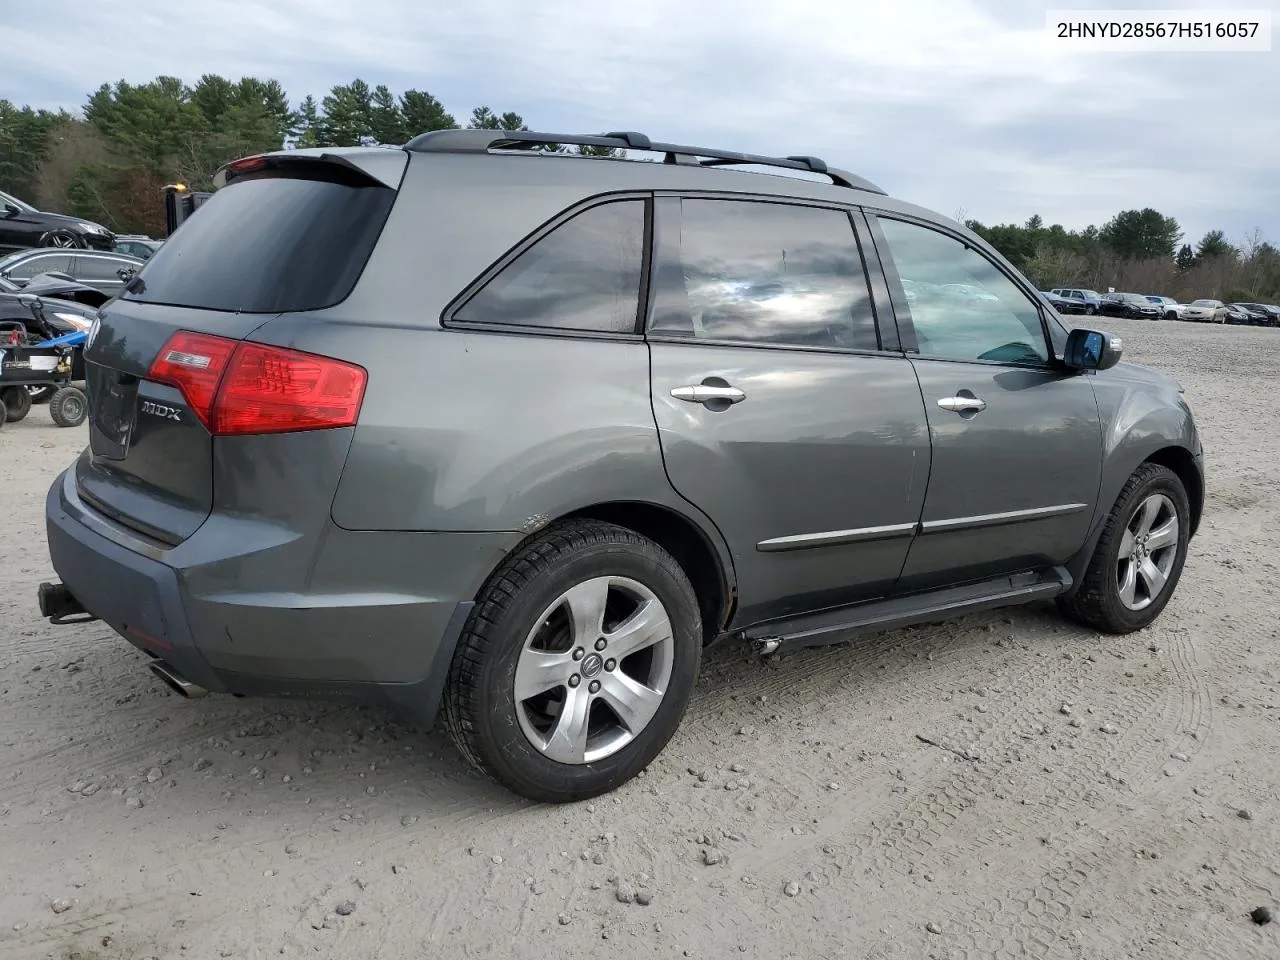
x=1124, y=799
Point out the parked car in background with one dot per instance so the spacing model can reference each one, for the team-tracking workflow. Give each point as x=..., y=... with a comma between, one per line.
x=1205, y=311
x=1239, y=313
x=1264, y=314
x=307, y=478
x=137, y=246
x=94, y=268
x=1132, y=305
x=1063, y=305
x=1091, y=299
x=1170, y=309
x=22, y=226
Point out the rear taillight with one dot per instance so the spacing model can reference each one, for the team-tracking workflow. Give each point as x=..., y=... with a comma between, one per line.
x=242, y=388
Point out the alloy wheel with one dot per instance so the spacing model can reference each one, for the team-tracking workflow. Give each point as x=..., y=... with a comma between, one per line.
x=1148, y=551
x=594, y=670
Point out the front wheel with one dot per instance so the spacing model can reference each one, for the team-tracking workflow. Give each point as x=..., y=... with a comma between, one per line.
x=577, y=663
x=1090, y=310
x=61, y=238
x=1138, y=560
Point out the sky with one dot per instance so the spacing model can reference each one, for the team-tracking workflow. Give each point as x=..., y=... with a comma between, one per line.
x=963, y=106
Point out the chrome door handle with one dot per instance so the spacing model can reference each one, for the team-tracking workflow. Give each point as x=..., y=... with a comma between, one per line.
x=963, y=404
x=702, y=393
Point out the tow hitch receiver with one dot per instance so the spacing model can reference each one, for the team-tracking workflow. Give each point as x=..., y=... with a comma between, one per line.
x=59, y=606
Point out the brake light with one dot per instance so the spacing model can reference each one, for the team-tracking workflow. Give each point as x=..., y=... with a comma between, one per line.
x=247, y=164
x=238, y=388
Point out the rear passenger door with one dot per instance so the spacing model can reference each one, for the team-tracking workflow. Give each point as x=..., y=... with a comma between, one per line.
x=1017, y=444
x=785, y=414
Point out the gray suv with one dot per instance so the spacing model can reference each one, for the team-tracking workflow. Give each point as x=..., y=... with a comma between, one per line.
x=476, y=425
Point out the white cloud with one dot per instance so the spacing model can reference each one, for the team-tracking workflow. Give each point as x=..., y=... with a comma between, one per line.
x=950, y=103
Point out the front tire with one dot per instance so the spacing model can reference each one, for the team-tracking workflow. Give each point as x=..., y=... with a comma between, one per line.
x=64, y=239
x=577, y=663
x=1138, y=561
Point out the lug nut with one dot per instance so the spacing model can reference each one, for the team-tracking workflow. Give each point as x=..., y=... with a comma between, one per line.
x=575, y=680
x=595, y=686
x=579, y=653
x=610, y=664
x=600, y=644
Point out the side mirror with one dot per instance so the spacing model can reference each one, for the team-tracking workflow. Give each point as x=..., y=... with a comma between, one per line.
x=1092, y=350
x=10, y=211
x=125, y=273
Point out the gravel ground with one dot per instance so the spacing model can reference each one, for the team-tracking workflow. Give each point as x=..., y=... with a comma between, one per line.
x=1082, y=797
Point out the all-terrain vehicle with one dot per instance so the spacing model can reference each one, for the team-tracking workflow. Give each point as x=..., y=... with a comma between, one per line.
x=28, y=364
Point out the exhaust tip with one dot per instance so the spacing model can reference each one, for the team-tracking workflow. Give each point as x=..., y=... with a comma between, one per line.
x=176, y=681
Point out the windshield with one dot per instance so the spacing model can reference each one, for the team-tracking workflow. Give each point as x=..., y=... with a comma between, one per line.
x=11, y=199
x=1204, y=303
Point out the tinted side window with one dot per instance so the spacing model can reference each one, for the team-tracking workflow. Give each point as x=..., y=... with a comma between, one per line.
x=964, y=308
x=765, y=273
x=583, y=275
x=45, y=263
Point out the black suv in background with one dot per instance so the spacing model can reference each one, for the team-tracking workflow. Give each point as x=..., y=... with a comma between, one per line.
x=22, y=226
x=1132, y=305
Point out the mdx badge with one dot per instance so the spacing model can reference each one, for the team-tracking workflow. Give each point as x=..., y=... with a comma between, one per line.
x=162, y=410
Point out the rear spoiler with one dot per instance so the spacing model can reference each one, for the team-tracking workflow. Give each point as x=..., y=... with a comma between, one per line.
x=384, y=166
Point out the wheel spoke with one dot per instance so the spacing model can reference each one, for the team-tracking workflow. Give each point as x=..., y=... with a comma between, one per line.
x=647, y=626
x=586, y=610
x=568, y=740
x=1165, y=535
x=1152, y=577
x=539, y=671
x=1126, y=543
x=1147, y=517
x=1129, y=584
x=633, y=702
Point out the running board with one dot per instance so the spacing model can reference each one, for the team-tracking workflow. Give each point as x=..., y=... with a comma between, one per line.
x=844, y=623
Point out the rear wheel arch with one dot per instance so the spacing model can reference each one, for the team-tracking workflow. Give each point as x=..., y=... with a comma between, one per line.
x=690, y=546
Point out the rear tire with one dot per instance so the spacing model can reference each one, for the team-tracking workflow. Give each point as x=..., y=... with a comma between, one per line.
x=69, y=406
x=1144, y=541
x=546, y=622
x=16, y=402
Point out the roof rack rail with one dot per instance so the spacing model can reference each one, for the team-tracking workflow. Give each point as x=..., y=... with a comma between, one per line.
x=482, y=141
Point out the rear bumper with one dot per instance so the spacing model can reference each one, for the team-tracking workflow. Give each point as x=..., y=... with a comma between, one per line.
x=244, y=608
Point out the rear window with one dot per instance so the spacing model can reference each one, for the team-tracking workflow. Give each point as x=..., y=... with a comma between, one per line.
x=270, y=244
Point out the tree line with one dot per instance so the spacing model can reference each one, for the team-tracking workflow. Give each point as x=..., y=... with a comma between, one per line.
x=1139, y=251
x=108, y=161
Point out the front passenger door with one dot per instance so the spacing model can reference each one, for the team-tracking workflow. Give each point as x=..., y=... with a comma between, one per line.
x=1016, y=440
